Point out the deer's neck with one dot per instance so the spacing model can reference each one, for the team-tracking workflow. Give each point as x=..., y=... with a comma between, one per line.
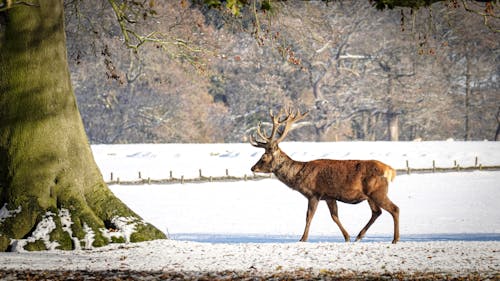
x=289, y=171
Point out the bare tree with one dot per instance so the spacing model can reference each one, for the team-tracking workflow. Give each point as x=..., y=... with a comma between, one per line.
x=497, y=133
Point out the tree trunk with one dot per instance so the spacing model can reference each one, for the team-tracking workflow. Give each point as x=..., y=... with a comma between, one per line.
x=497, y=133
x=392, y=116
x=393, y=121
x=52, y=194
x=467, y=98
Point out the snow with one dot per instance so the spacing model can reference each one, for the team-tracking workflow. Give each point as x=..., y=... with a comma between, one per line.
x=449, y=222
x=441, y=203
x=41, y=232
x=156, y=161
x=66, y=222
x=168, y=255
x=88, y=239
x=6, y=213
x=125, y=227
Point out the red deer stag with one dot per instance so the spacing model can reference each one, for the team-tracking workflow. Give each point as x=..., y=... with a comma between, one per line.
x=349, y=181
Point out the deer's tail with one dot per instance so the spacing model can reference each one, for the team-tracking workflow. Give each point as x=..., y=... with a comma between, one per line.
x=389, y=173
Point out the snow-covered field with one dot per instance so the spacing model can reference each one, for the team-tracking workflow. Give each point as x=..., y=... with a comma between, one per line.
x=156, y=161
x=449, y=222
x=450, y=204
x=440, y=205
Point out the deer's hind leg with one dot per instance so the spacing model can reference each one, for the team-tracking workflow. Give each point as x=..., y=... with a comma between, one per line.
x=390, y=207
x=332, y=205
x=376, y=211
x=379, y=197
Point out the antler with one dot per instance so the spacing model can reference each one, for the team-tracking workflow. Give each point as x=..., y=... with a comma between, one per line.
x=288, y=120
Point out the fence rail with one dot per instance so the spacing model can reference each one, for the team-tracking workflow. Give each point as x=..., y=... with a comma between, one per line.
x=254, y=177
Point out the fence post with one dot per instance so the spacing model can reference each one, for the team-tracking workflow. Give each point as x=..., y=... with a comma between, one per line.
x=407, y=167
x=140, y=176
x=433, y=166
x=111, y=176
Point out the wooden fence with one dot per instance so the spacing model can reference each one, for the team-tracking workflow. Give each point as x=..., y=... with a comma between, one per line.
x=202, y=178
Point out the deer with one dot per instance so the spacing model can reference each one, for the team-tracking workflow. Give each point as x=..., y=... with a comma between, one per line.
x=348, y=181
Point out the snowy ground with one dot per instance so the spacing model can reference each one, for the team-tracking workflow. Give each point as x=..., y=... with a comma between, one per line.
x=456, y=258
x=450, y=222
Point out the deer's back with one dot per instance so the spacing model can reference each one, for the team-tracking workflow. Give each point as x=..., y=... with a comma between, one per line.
x=345, y=180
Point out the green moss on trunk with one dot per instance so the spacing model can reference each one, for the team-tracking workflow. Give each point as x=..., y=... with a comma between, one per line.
x=35, y=246
x=46, y=162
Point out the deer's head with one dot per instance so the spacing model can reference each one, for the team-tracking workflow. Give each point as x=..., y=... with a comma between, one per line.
x=273, y=156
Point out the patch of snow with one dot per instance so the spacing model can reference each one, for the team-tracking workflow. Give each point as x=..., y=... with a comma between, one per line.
x=6, y=213
x=66, y=222
x=125, y=226
x=89, y=236
x=17, y=245
x=42, y=232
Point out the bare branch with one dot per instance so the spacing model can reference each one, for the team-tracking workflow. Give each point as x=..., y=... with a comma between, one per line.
x=184, y=50
x=487, y=14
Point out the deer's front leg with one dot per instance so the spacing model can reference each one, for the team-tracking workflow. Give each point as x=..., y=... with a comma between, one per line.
x=311, y=209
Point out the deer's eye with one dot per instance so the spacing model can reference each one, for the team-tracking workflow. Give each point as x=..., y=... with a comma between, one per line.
x=266, y=157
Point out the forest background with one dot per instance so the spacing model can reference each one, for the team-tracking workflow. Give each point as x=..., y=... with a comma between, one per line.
x=363, y=74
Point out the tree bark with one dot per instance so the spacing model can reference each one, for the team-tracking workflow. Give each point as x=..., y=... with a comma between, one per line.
x=497, y=133
x=393, y=123
x=392, y=116
x=52, y=194
x=467, y=97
